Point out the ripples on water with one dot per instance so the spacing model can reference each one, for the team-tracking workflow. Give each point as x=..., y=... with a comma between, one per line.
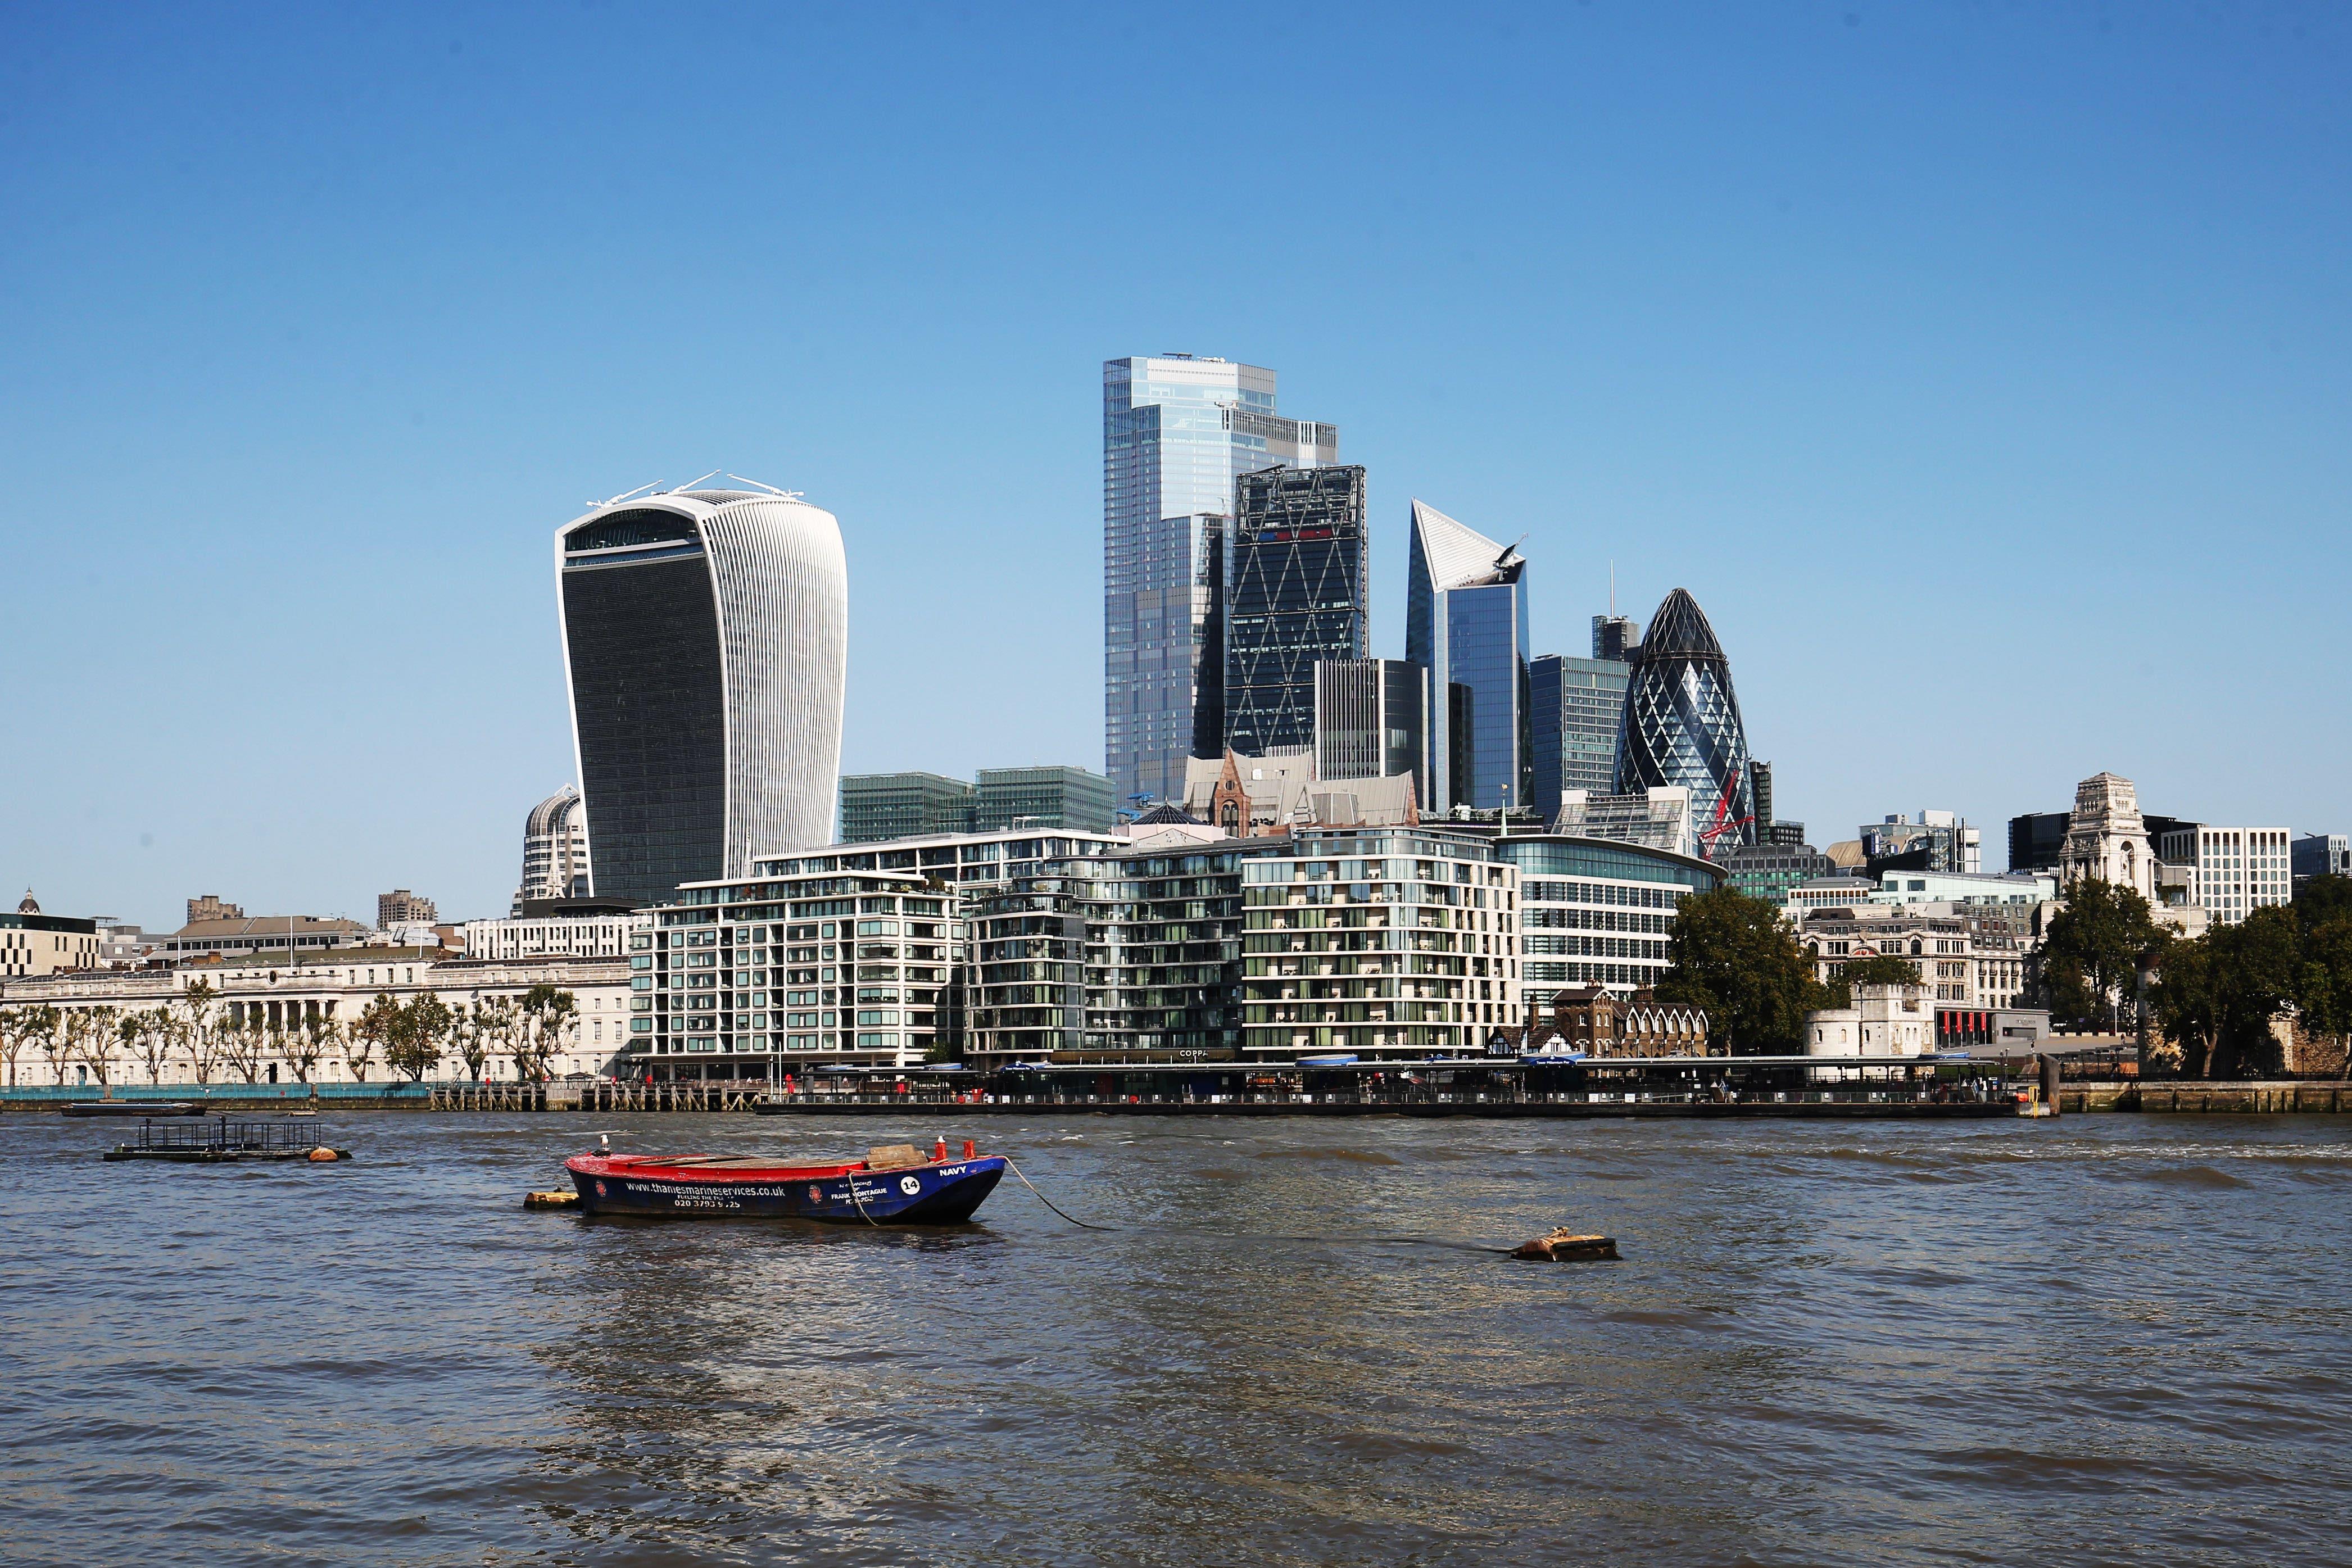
x=2109, y=1339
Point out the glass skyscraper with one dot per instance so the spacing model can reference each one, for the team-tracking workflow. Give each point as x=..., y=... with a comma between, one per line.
x=706, y=640
x=1682, y=725
x=1466, y=624
x=1301, y=589
x=1177, y=433
x=1578, y=706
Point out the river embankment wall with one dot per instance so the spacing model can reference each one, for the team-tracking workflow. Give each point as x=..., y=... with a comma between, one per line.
x=2186, y=1096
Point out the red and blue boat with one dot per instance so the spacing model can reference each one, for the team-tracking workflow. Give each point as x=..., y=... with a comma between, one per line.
x=892, y=1185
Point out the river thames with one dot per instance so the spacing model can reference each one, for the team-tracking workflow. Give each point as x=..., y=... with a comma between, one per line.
x=2106, y=1339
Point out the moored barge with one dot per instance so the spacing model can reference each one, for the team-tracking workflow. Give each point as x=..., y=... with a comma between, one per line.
x=892, y=1185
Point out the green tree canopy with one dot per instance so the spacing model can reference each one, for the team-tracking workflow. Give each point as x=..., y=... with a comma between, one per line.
x=2090, y=956
x=1733, y=956
x=1884, y=969
x=416, y=1037
x=2217, y=996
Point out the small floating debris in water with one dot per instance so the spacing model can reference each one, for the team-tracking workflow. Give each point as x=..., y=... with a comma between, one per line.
x=550, y=1200
x=1565, y=1246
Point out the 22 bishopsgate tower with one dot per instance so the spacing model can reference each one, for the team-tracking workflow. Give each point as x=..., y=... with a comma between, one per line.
x=1178, y=432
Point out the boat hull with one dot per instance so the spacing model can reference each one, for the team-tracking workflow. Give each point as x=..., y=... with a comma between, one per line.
x=942, y=1193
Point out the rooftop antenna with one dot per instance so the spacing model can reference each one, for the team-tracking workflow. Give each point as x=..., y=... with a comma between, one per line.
x=691, y=483
x=788, y=495
x=1612, y=590
x=625, y=495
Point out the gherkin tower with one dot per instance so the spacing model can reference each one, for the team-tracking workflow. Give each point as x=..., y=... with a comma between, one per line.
x=1682, y=724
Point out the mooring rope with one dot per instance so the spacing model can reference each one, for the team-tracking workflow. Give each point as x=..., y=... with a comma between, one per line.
x=860, y=1201
x=1048, y=1202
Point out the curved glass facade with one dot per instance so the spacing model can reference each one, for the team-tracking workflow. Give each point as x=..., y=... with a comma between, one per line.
x=705, y=639
x=1551, y=855
x=1682, y=724
x=1593, y=912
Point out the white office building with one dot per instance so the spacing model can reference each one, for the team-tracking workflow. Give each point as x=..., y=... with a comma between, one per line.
x=601, y=934
x=555, y=849
x=2234, y=871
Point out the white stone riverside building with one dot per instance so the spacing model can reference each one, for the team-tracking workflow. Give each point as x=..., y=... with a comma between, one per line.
x=281, y=999
x=545, y=933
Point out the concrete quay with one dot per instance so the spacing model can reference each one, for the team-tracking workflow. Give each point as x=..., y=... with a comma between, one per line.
x=2190, y=1097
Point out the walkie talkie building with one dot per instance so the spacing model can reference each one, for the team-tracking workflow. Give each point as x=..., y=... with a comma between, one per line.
x=705, y=638
x=1682, y=725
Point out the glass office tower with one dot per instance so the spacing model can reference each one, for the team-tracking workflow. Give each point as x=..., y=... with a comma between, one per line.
x=705, y=638
x=1466, y=624
x=1301, y=583
x=1369, y=720
x=1683, y=727
x=1177, y=432
x=1578, y=707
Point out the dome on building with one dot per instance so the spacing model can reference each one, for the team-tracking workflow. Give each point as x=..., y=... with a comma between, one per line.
x=28, y=905
x=554, y=814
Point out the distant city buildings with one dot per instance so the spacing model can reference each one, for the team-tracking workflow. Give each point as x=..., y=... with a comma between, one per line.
x=209, y=906
x=2320, y=854
x=1178, y=432
x=878, y=806
x=1248, y=797
x=2234, y=871
x=1929, y=841
x=569, y=928
x=1615, y=637
x=262, y=1003
x=875, y=806
x=1381, y=945
x=1970, y=961
x=1596, y=913
x=1771, y=871
x=285, y=937
x=1683, y=727
x=705, y=633
x=1371, y=720
x=33, y=944
x=2106, y=839
x=554, y=850
x=1466, y=624
x=1576, y=707
x=2037, y=840
x=1659, y=818
x=1597, y=1022
x=402, y=908
x=1301, y=596
x=1042, y=798
x=1906, y=887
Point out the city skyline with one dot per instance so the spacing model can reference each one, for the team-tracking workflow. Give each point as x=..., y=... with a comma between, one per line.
x=369, y=336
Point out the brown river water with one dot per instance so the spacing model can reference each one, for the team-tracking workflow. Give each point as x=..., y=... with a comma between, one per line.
x=2105, y=1339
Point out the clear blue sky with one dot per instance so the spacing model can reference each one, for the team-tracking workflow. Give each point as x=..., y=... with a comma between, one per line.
x=1982, y=369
